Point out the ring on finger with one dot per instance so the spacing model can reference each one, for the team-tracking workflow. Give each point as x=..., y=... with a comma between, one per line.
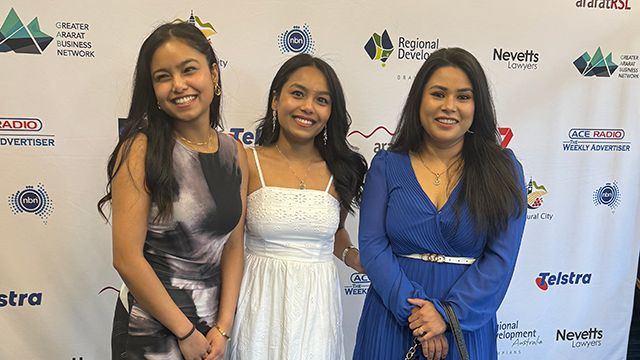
x=420, y=331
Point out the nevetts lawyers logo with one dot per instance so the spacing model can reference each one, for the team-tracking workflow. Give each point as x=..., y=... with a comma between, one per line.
x=604, y=4
x=517, y=60
x=359, y=285
x=581, y=339
x=34, y=200
x=546, y=279
x=16, y=37
x=587, y=139
x=608, y=195
x=297, y=40
x=598, y=66
x=379, y=47
x=24, y=132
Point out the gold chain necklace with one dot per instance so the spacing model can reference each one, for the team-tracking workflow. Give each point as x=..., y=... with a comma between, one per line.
x=302, y=186
x=436, y=181
x=193, y=143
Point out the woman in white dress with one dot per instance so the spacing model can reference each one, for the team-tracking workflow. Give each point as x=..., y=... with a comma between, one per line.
x=304, y=178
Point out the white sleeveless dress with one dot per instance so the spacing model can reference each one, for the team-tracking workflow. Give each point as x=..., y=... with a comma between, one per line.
x=289, y=304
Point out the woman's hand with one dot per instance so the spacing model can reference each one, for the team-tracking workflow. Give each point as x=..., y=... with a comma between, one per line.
x=218, y=344
x=425, y=321
x=435, y=348
x=352, y=260
x=195, y=347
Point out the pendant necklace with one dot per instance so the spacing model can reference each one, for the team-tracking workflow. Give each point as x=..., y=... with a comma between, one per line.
x=302, y=186
x=193, y=143
x=436, y=181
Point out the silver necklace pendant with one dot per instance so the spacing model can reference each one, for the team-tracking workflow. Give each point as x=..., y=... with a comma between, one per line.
x=436, y=181
x=302, y=186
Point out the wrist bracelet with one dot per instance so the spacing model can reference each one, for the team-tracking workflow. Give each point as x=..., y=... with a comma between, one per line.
x=193, y=328
x=344, y=253
x=222, y=332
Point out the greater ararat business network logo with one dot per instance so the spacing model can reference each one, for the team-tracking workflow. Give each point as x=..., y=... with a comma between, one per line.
x=598, y=65
x=297, y=40
x=608, y=195
x=16, y=37
x=379, y=47
x=206, y=28
x=32, y=199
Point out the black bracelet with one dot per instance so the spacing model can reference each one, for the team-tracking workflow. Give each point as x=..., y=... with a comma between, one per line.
x=193, y=328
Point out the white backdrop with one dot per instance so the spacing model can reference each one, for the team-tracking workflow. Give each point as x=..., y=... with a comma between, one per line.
x=575, y=134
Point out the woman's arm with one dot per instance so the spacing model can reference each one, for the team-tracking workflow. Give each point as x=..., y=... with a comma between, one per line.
x=378, y=259
x=130, y=205
x=343, y=242
x=232, y=266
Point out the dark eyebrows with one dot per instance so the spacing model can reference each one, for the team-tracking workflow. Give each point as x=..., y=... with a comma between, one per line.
x=445, y=89
x=181, y=65
x=322, y=93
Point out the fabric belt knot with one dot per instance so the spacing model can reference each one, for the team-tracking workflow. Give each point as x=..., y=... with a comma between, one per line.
x=441, y=258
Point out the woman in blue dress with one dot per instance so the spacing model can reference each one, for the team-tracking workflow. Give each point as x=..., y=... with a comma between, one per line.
x=445, y=187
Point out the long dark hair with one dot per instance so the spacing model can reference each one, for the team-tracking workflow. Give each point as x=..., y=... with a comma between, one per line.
x=146, y=118
x=344, y=162
x=490, y=187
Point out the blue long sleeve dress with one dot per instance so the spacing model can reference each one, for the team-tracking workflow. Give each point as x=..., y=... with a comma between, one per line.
x=397, y=218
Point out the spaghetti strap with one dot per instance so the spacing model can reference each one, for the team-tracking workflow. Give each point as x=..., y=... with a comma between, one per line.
x=255, y=155
x=329, y=184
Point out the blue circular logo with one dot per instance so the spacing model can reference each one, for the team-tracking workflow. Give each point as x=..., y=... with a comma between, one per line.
x=296, y=40
x=607, y=194
x=30, y=200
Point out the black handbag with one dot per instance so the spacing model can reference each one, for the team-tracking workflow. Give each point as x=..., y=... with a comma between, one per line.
x=455, y=330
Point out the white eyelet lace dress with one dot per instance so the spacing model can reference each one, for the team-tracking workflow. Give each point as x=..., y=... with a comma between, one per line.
x=289, y=304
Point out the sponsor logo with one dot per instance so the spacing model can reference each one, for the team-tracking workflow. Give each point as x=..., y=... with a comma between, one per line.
x=517, y=60
x=581, y=339
x=207, y=30
x=604, y=4
x=506, y=134
x=246, y=137
x=628, y=67
x=381, y=141
x=608, y=195
x=359, y=285
x=71, y=40
x=517, y=337
x=545, y=279
x=16, y=37
x=34, y=200
x=16, y=299
x=23, y=132
x=379, y=47
x=582, y=139
x=598, y=66
x=296, y=40
x=535, y=194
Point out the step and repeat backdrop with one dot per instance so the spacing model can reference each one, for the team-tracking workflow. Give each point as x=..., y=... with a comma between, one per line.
x=565, y=75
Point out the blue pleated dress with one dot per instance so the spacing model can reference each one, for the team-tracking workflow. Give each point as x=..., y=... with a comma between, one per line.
x=398, y=218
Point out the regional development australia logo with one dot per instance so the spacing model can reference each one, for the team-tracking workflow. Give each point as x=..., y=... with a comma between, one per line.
x=297, y=40
x=379, y=47
x=34, y=200
x=597, y=66
x=16, y=37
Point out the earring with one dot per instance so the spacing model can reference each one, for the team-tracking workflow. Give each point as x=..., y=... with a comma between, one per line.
x=324, y=137
x=159, y=108
x=470, y=132
x=216, y=89
x=274, y=120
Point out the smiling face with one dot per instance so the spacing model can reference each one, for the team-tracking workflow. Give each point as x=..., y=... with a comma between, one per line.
x=304, y=105
x=183, y=81
x=447, y=108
